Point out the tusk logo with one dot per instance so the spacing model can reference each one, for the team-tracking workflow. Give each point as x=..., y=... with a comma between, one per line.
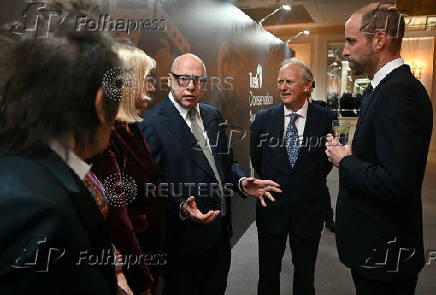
x=256, y=80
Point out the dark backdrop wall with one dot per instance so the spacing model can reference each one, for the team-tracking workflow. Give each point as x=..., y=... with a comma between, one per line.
x=241, y=60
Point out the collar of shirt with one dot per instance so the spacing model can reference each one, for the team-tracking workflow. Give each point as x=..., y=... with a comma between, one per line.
x=301, y=112
x=385, y=70
x=79, y=166
x=183, y=112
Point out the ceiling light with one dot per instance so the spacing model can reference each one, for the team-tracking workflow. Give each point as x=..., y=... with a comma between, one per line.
x=305, y=32
x=284, y=7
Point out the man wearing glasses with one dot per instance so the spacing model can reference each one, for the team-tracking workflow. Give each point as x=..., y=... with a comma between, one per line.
x=188, y=141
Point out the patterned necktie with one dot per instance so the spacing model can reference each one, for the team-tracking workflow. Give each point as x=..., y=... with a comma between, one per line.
x=201, y=140
x=292, y=140
x=97, y=191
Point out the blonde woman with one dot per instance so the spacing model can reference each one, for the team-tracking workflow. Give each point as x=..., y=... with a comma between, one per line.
x=134, y=217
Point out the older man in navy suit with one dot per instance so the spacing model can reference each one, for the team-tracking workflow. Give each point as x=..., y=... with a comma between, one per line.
x=287, y=146
x=188, y=140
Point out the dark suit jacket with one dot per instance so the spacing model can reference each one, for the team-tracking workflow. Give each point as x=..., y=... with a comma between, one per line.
x=128, y=156
x=304, y=186
x=379, y=206
x=182, y=163
x=42, y=200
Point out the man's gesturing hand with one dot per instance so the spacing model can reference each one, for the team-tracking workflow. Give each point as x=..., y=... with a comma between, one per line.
x=259, y=188
x=189, y=209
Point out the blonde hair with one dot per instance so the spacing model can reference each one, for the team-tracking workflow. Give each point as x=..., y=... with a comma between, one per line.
x=138, y=65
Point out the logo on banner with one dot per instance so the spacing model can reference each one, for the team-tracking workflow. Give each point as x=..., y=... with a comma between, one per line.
x=256, y=80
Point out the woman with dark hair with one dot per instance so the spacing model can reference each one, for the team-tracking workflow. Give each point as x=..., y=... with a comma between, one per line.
x=55, y=114
x=135, y=216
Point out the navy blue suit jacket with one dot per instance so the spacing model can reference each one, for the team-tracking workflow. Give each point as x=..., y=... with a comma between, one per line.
x=379, y=210
x=185, y=171
x=304, y=186
x=49, y=217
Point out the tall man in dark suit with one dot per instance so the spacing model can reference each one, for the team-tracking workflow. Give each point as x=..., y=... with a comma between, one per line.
x=287, y=146
x=379, y=210
x=54, y=115
x=188, y=140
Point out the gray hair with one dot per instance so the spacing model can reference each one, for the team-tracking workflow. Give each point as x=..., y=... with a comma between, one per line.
x=306, y=73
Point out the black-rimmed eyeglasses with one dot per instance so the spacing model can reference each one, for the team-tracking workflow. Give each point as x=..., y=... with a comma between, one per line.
x=184, y=80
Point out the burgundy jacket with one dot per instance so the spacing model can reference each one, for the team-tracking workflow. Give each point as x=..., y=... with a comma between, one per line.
x=131, y=212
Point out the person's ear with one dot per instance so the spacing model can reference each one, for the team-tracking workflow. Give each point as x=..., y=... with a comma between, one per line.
x=99, y=106
x=380, y=39
x=169, y=81
x=307, y=86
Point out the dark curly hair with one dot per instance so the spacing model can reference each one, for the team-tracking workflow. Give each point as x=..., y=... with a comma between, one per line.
x=48, y=88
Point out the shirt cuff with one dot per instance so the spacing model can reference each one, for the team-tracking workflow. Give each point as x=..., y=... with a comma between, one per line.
x=240, y=187
x=180, y=212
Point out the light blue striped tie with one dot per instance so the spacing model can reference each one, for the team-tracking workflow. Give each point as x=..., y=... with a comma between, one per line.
x=292, y=140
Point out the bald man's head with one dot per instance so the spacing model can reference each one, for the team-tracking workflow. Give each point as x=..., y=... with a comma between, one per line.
x=186, y=80
x=185, y=57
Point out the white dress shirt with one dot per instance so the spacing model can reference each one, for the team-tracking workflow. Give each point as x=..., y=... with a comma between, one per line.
x=386, y=70
x=184, y=113
x=79, y=166
x=300, y=122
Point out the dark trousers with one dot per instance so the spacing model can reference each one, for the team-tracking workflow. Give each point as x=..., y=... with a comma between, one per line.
x=365, y=286
x=271, y=250
x=328, y=208
x=204, y=274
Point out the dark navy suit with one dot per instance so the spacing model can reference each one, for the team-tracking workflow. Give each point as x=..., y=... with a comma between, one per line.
x=299, y=211
x=49, y=217
x=379, y=209
x=186, y=171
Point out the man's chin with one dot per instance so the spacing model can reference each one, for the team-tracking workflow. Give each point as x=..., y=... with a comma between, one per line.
x=286, y=99
x=189, y=104
x=356, y=71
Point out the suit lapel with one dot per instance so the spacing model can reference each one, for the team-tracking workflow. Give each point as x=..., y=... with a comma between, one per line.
x=278, y=125
x=177, y=126
x=213, y=130
x=373, y=95
x=84, y=204
x=371, y=99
